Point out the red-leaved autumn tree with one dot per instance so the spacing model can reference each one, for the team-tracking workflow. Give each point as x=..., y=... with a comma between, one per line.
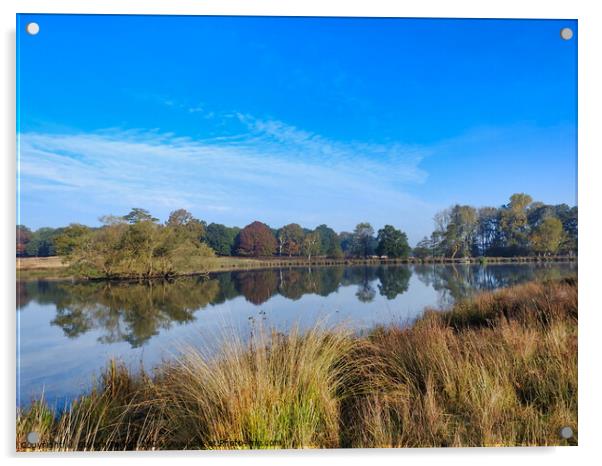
x=23, y=238
x=256, y=240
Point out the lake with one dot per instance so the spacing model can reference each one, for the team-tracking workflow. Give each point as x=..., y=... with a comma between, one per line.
x=68, y=330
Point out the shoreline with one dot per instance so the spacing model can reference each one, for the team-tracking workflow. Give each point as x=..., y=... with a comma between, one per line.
x=51, y=268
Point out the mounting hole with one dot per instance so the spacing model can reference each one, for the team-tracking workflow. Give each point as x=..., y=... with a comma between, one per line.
x=566, y=33
x=566, y=432
x=32, y=28
x=33, y=438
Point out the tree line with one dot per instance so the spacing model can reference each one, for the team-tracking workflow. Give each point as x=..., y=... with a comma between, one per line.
x=255, y=240
x=137, y=244
x=522, y=227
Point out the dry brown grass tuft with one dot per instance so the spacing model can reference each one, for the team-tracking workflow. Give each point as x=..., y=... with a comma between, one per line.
x=500, y=369
x=277, y=391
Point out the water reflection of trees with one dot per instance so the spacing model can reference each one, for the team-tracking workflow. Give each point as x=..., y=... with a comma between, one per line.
x=133, y=312
x=42, y=291
x=457, y=281
x=364, y=277
x=130, y=312
x=294, y=283
x=257, y=286
x=393, y=281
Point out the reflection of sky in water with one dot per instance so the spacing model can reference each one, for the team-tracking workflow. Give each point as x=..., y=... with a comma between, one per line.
x=64, y=367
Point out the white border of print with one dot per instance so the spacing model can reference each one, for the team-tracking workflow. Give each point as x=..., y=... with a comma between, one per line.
x=590, y=195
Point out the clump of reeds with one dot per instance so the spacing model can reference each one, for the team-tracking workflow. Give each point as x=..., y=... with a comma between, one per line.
x=104, y=419
x=276, y=391
x=498, y=369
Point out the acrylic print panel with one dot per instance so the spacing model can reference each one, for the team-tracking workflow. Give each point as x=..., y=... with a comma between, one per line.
x=230, y=230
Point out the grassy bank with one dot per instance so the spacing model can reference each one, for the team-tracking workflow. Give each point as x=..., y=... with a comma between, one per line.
x=31, y=268
x=500, y=369
x=41, y=267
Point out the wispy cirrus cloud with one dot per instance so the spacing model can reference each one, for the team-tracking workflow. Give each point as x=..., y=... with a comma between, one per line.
x=272, y=171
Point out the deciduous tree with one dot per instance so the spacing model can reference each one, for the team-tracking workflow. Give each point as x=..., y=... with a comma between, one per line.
x=184, y=224
x=256, y=239
x=290, y=239
x=41, y=243
x=137, y=215
x=392, y=242
x=547, y=236
x=221, y=238
x=70, y=238
x=363, y=240
x=329, y=242
x=311, y=245
x=24, y=236
x=514, y=223
x=139, y=249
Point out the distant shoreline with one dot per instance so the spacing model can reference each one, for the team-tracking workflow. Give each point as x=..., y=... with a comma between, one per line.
x=53, y=267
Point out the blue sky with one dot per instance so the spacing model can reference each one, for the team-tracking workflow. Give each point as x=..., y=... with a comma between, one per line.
x=308, y=120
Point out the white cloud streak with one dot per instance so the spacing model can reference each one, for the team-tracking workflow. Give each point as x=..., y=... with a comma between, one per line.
x=274, y=172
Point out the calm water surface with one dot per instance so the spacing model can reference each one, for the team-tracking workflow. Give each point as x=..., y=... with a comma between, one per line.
x=68, y=330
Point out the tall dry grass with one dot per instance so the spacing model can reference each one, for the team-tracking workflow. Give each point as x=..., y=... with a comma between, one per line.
x=277, y=391
x=499, y=369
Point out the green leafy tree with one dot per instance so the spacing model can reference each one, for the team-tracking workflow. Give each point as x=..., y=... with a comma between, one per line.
x=486, y=230
x=568, y=216
x=139, y=245
x=100, y=254
x=138, y=215
x=514, y=224
x=363, y=240
x=185, y=225
x=392, y=242
x=346, y=242
x=537, y=212
x=462, y=229
x=221, y=238
x=41, y=243
x=547, y=236
x=139, y=249
x=70, y=238
x=330, y=245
